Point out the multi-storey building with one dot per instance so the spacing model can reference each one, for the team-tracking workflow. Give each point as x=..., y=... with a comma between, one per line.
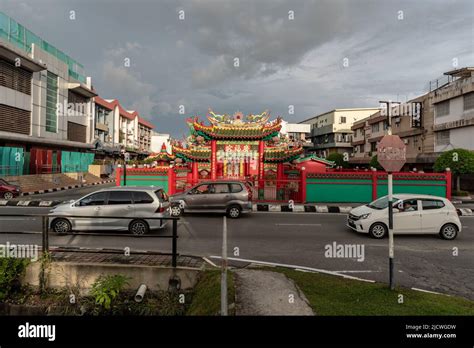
x=45, y=105
x=331, y=131
x=439, y=120
x=454, y=111
x=298, y=134
x=124, y=130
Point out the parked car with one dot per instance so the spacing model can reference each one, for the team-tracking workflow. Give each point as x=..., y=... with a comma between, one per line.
x=412, y=214
x=230, y=197
x=9, y=191
x=101, y=209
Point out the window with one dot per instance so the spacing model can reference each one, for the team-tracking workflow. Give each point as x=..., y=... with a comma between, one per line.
x=94, y=199
x=120, y=197
x=221, y=188
x=141, y=198
x=407, y=206
x=442, y=109
x=234, y=188
x=203, y=189
x=375, y=127
x=380, y=203
x=385, y=125
x=343, y=119
x=162, y=196
x=429, y=204
x=443, y=138
x=468, y=101
x=51, y=102
x=373, y=146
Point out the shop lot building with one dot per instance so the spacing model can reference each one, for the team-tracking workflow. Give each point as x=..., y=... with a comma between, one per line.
x=45, y=105
x=437, y=121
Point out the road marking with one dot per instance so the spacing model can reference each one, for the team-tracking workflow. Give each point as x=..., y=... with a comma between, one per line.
x=298, y=224
x=355, y=271
x=430, y=292
x=210, y=262
x=295, y=267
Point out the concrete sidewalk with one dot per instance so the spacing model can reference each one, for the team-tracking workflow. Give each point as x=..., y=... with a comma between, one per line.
x=260, y=292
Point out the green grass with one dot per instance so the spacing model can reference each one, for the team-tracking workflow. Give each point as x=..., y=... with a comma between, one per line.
x=206, y=299
x=332, y=295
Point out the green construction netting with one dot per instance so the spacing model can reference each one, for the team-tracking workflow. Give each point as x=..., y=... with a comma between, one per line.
x=75, y=161
x=12, y=160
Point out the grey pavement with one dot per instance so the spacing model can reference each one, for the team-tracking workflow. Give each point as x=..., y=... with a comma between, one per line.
x=261, y=292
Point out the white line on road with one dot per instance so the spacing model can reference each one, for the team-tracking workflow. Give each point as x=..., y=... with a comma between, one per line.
x=430, y=292
x=356, y=271
x=210, y=262
x=295, y=266
x=298, y=224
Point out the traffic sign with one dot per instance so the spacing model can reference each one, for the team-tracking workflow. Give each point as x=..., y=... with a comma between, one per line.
x=391, y=153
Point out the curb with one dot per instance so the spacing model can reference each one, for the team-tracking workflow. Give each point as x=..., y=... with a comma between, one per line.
x=301, y=208
x=465, y=212
x=65, y=188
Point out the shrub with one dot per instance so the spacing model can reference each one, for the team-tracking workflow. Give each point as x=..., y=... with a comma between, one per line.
x=107, y=288
x=11, y=270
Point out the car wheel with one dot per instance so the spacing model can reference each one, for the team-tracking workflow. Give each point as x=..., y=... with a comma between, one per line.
x=138, y=227
x=449, y=231
x=176, y=210
x=7, y=196
x=61, y=226
x=378, y=230
x=234, y=212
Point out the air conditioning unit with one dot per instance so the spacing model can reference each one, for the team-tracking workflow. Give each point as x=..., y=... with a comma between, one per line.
x=406, y=141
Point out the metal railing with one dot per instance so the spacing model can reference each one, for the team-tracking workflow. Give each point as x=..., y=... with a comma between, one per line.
x=46, y=224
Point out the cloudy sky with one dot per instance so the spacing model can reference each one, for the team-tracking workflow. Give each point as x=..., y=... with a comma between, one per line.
x=312, y=55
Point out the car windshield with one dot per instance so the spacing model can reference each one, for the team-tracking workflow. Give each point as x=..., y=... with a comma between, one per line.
x=381, y=203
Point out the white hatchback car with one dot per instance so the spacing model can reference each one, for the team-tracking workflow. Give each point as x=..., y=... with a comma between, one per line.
x=412, y=214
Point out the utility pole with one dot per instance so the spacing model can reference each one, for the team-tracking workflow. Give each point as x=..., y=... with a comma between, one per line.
x=390, y=198
x=224, y=305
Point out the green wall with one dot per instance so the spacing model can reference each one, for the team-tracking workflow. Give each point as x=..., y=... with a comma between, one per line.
x=72, y=162
x=146, y=180
x=12, y=160
x=327, y=190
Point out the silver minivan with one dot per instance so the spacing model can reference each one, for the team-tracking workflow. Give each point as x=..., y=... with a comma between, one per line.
x=101, y=211
x=230, y=197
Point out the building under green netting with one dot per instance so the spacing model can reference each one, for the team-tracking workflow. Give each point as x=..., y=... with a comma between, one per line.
x=72, y=162
x=12, y=161
x=18, y=35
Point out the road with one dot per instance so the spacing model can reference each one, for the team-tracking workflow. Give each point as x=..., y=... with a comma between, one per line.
x=425, y=262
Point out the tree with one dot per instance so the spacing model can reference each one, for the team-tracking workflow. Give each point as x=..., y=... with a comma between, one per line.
x=338, y=158
x=375, y=163
x=460, y=161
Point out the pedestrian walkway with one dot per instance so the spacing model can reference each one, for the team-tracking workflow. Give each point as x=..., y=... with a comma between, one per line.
x=261, y=292
x=143, y=259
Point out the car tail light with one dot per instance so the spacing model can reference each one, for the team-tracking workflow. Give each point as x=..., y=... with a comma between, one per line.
x=160, y=209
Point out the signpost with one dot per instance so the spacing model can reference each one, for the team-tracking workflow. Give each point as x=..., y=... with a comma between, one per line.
x=391, y=155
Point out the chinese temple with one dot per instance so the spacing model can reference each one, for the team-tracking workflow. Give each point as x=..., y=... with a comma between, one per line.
x=235, y=147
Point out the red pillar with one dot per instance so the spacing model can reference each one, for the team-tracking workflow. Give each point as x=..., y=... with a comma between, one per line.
x=374, y=185
x=261, y=170
x=118, y=176
x=171, y=181
x=213, y=160
x=195, y=173
x=448, y=184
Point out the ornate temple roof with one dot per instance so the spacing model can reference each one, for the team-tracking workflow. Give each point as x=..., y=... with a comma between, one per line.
x=238, y=126
x=162, y=156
